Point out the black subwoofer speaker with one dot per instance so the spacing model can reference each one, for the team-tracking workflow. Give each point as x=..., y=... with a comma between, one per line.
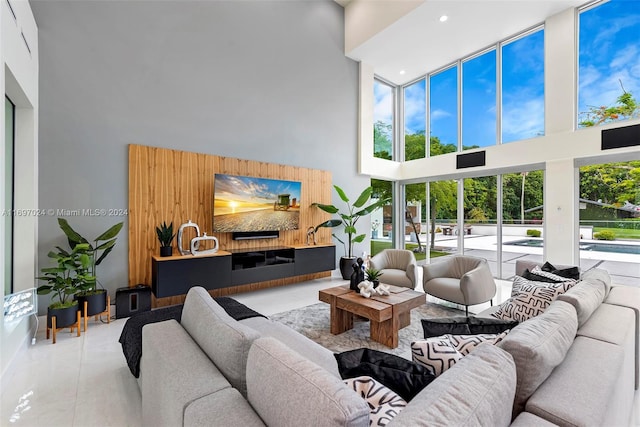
x=627, y=136
x=132, y=300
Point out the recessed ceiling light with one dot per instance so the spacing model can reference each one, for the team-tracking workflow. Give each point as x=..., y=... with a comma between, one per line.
x=402, y=72
x=443, y=18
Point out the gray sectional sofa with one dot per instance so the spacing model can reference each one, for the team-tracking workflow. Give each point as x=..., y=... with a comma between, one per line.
x=576, y=364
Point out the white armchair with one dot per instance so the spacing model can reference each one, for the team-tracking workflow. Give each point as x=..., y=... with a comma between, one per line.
x=398, y=267
x=461, y=279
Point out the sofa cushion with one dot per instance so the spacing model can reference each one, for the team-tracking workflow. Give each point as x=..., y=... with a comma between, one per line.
x=295, y=341
x=538, y=346
x=610, y=323
x=590, y=371
x=222, y=338
x=601, y=276
x=384, y=404
x=227, y=407
x=530, y=299
x=403, y=376
x=478, y=391
x=585, y=297
x=628, y=296
x=173, y=373
x=527, y=419
x=462, y=325
x=286, y=389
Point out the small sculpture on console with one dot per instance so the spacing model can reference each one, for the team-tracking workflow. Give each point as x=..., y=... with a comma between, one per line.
x=366, y=289
x=195, y=244
x=180, y=231
x=311, y=236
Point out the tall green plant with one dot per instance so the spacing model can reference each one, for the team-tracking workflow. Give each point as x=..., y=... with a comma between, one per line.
x=351, y=217
x=98, y=251
x=70, y=277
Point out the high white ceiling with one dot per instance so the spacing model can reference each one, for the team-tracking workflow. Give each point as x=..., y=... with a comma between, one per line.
x=419, y=43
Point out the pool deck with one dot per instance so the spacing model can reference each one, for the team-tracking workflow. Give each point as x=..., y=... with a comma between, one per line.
x=623, y=268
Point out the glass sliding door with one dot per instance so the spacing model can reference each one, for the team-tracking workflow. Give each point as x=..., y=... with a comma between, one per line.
x=443, y=196
x=523, y=222
x=480, y=219
x=382, y=220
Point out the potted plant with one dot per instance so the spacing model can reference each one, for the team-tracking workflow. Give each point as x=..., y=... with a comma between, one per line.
x=373, y=276
x=165, y=237
x=102, y=246
x=349, y=219
x=64, y=281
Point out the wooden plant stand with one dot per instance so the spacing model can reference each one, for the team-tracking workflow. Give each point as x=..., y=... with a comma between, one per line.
x=107, y=312
x=55, y=329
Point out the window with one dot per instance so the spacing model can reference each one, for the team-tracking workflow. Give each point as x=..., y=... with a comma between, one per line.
x=9, y=123
x=609, y=48
x=415, y=120
x=523, y=87
x=383, y=120
x=382, y=219
x=443, y=112
x=479, y=101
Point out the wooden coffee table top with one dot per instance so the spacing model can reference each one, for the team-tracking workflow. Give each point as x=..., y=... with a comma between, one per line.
x=401, y=298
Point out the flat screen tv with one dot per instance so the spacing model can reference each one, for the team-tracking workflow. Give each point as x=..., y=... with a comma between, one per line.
x=249, y=204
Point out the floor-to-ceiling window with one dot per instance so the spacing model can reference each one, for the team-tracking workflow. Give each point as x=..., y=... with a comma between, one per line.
x=382, y=220
x=608, y=59
x=610, y=219
x=415, y=120
x=9, y=123
x=383, y=119
x=443, y=199
x=480, y=219
x=479, y=100
x=443, y=111
x=522, y=78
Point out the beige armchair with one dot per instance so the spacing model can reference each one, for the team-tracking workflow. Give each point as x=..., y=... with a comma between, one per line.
x=461, y=279
x=398, y=267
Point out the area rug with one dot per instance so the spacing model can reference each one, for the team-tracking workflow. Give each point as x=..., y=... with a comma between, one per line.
x=313, y=322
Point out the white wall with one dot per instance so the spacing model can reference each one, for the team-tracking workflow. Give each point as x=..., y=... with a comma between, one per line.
x=557, y=152
x=19, y=78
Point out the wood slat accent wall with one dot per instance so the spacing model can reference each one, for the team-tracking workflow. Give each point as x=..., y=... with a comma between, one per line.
x=172, y=185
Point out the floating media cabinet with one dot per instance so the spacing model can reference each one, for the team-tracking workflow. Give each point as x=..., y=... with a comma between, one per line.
x=175, y=275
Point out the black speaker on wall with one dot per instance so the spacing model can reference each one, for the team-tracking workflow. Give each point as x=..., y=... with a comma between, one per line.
x=627, y=136
x=132, y=300
x=471, y=160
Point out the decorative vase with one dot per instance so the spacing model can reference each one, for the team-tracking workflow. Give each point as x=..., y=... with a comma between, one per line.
x=65, y=317
x=166, y=250
x=346, y=266
x=375, y=283
x=96, y=302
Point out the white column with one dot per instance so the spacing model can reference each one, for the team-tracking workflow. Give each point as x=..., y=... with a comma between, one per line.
x=561, y=213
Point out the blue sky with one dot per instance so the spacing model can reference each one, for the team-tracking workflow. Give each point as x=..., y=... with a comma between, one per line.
x=609, y=44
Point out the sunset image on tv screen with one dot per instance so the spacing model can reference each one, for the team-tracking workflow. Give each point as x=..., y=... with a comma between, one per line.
x=243, y=203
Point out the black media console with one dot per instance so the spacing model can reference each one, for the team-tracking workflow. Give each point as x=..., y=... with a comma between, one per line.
x=174, y=275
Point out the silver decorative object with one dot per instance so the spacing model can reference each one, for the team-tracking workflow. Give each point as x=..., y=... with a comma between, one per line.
x=311, y=235
x=195, y=244
x=180, y=231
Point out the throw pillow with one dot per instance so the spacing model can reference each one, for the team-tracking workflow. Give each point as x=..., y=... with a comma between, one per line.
x=461, y=325
x=552, y=275
x=384, y=404
x=465, y=343
x=529, y=275
x=530, y=299
x=569, y=272
x=403, y=376
x=437, y=354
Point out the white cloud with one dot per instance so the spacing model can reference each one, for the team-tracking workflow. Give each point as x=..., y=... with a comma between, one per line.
x=521, y=120
x=439, y=114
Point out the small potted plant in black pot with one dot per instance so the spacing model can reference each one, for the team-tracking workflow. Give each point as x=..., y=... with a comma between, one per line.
x=165, y=237
x=373, y=276
x=64, y=281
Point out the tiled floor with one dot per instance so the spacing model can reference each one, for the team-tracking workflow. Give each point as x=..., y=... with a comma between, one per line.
x=85, y=381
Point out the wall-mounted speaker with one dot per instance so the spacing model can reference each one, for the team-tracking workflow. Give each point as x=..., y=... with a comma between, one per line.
x=132, y=300
x=471, y=160
x=627, y=136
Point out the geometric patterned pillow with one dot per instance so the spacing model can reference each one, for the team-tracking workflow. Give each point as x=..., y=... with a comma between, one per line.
x=530, y=299
x=519, y=282
x=465, y=343
x=436, y=353
x=384, y=404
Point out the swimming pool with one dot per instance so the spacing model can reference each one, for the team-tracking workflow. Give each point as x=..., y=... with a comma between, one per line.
x=597, y=247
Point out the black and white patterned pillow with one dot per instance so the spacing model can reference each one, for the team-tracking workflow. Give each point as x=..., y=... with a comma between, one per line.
x=383, y=403
x=525, y=285
x=465, y=343
x=530, y=299
x=436, y=354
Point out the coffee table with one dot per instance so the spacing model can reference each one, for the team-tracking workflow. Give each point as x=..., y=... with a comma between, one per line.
x=387, y=314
